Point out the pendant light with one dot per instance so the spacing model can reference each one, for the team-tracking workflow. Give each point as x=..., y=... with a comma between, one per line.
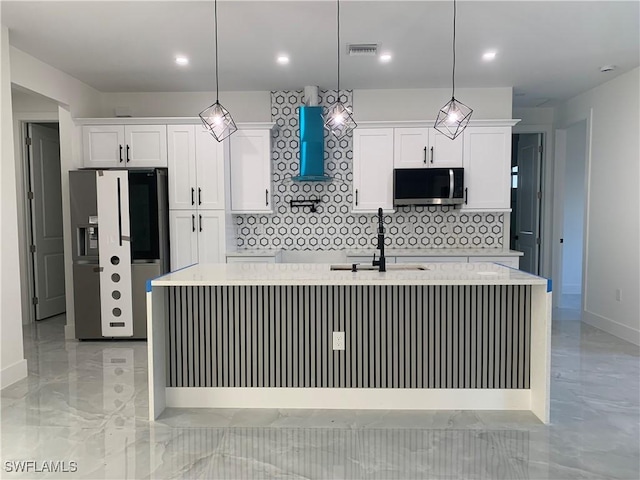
x=217, y=119
x=454, y=116
x=339, y=120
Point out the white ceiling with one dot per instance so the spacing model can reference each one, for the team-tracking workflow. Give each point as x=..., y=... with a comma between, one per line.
x=547, y=50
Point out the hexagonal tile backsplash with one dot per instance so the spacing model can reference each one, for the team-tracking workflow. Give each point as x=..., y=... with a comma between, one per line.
x=332, y=226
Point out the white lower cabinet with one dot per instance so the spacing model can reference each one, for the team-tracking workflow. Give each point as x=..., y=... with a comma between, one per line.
x=197, y=236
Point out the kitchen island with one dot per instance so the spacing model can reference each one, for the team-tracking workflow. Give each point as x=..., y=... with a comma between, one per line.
x=435, y=336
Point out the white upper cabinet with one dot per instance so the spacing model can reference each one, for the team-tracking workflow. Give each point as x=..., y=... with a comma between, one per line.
x=250, y=168
x=146, y=145
x=372, y=169
x=103, y=146
x=196, y=169
x=181, y=143
x=209, y=170
x=444, y=152
x=422, y=147
x=109, y=146
x=487, y=168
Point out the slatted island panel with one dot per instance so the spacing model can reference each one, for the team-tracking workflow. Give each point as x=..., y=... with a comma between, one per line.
x=470, y=336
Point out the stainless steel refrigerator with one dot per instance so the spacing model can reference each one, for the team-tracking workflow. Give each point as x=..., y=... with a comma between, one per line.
x=120, y=231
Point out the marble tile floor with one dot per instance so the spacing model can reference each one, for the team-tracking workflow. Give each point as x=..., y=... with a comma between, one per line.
x=86, y=402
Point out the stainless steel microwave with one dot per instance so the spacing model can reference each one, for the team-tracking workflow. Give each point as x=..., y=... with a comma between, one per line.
x=428, y=186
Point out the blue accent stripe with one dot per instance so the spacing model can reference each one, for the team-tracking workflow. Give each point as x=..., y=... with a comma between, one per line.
x=165, y=274
x=549, y=285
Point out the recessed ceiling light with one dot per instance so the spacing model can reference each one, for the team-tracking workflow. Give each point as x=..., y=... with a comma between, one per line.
x=488, y=56
x=385, y=57
x=282, y=59
x=182, y=60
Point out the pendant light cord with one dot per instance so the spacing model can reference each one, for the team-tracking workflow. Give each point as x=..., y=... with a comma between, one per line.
x=215, y=17
x=453, y=74
x=338, y=1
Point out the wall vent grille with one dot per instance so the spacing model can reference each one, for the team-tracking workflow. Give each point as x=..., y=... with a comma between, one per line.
x=362, y=49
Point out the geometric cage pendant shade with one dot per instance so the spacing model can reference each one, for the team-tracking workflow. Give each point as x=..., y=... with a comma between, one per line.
x=339, y=120
x=218, y=121
x=453, y=118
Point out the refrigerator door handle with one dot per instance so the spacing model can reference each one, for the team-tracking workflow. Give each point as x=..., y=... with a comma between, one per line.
x=119, y=215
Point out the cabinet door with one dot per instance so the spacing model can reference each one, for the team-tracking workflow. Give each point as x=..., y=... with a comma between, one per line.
x=146, y=145
x=182, y=166
x=103, y=146
x=444, y=152
x=211, y=236
x=210, y=171
x=372, y=169
x=411, y=147
x=250, y=163
x=183, y=237
x=487, y=165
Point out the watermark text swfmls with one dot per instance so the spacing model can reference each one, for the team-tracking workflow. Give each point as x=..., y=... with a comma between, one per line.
x=40, y=466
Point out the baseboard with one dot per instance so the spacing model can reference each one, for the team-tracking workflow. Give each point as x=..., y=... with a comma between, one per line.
x=70, y=331
x=13, y=373
x=610, y=326
x=572, y=289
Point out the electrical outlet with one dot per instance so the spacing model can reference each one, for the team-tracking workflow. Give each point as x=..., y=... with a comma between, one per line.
x=338, y=340
x=618, y=294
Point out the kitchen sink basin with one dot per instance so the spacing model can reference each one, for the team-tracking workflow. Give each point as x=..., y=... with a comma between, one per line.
x=404, y=267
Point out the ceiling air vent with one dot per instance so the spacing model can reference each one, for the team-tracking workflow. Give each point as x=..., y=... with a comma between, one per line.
x=362, y=49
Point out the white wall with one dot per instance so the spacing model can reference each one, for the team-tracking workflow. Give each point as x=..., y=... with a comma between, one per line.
x=413, y=104
x=72, y=99
x=424, y=103
x=612, y=255
x=244, y=106
x=13, y=365
x=573, y=224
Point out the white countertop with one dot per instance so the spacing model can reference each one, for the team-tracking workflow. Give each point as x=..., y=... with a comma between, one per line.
x=437, y=252
x=254, y=253
x=320, y=274
x=398, y=252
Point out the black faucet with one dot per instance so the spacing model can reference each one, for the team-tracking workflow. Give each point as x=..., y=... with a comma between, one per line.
x=381, y=263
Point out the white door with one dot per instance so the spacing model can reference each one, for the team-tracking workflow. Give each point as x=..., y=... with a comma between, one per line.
x=116, y=303
x=46, y=220
x=250, y=164
x=146, y=145
x=183, y=238
x=444, y=152
x=103, y=146
x=372, y=169
x=211, y=236
x=527, y=205
x=411, y=147
x=182, y=166
x=487, y=168
x=210, y=171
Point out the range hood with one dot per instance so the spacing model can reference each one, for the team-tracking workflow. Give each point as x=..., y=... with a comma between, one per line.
x=311, y=139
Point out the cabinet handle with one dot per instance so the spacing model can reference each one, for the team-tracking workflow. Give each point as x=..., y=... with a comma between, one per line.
x=425, y=155
x=199, y=196
x=128, y=159
x=200, y=222
x=119, y=213
x=120, y=153
x=356, y=197
x=466, y=190
x=431, y=154
x=266, y=197
x=193, y=223
x=193, y=202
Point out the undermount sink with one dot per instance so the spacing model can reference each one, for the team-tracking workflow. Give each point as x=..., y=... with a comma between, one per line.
x=397, y=267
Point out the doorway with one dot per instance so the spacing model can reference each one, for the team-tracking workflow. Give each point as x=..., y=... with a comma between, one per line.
x=526, y=199
x=44, y=219
x=573, y=212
